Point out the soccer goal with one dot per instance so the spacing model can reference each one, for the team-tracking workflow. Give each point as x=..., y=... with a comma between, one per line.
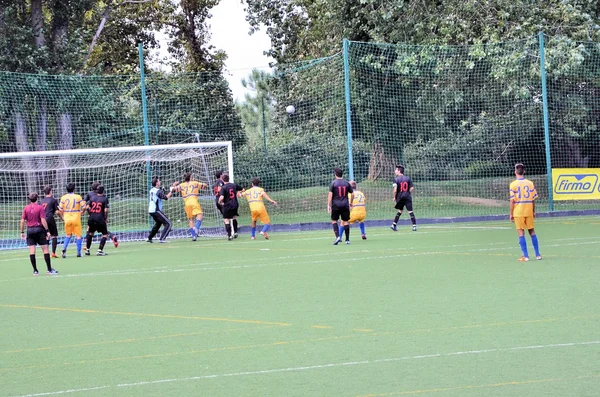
x=126, y=174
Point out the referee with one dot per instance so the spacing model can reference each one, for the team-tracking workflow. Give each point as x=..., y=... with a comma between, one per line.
x=37, y=232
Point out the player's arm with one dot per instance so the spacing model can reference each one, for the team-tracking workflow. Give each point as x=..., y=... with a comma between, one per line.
x=512, y=208
x=395, y=191
x=265, y=195
x=329, y=198
x=161, y=193
x=106, y=214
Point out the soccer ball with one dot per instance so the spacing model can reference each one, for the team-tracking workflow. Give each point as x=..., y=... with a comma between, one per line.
x=290, y=109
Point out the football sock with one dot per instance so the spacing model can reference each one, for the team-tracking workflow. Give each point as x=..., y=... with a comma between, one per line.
x=111, y=236
x=253, y=232
x=79, y=243
x=47, y=259
x=66, y=243
x=32, y=259
x=347, y=232
x=523, y=244
x=228, y=229
x=235, y=227
x=397, y=217
x=362, y=227
x=192, y=232
x=336, y=230
x=266, y=227
x=198, y=224
x=340, y=230
x=88, y=241
x=54, y=244
x=102, y=242
x=412, y=218
x=536, y=246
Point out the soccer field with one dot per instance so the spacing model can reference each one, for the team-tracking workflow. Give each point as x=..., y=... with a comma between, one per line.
x=445, y=311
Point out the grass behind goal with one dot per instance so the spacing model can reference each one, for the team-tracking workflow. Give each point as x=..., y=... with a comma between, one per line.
x=445, y=311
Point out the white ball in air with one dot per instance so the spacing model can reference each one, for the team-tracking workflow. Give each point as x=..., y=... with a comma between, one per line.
x=290, y=109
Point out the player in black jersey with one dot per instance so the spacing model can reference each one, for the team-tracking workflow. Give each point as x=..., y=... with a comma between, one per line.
x=217, y=189
x=98, y=210
x=50, y=205
x=228, y=198
x=403, y=188
x=88, y=196
x=338, y=204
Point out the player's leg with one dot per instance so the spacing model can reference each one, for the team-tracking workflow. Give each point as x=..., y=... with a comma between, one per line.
x=534, y=240
x=335, y=216
x=46, y=252
x=91, y=230
x=190, y=217
x=166, y=229
x=199, y=219
x=399, y=206
x=227, y=223
x=266, y=221
x=234, y=222
x=68, y=234
x=78, y=241
x=155, y=228
x=520, y=225
x=104, y=230
x=253, y=229
x=53, y=235
x=413, y=220
x=345, y=218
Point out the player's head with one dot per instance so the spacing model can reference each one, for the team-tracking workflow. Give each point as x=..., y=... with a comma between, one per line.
x=399, y=169
x=519, y=169
x=33, y=196
x=255, y=181
x=187, y=176
x=353, y=184
x=155, y=181
x=95, y=185
x=218, y=174
x=338, y=172
x=225, y=177
x=48, y=190
x=100, y=189
x=70, y=187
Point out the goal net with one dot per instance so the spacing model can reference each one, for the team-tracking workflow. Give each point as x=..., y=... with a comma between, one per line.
x=126, y=174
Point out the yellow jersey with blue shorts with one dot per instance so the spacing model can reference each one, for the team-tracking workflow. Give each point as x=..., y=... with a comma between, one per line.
x=359, y=209
x=522, y=195
x=189, y=193
x=258, y=211
x=70, y=205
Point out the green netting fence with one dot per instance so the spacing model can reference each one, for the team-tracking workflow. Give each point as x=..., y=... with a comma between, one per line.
x=457, y=117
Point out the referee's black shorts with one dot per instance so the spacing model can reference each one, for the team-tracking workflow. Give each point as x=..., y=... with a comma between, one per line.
x=36, y=235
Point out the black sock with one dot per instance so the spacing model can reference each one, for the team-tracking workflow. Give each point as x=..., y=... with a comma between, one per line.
x=88, y=241
x=235, y=227
x=228, y=229
x=412, y=218
x=397, y=217
x=347, y=232
x=336, y=229
x=102, y=242
x=54, y=244
x=32, y=259
x=47, y=259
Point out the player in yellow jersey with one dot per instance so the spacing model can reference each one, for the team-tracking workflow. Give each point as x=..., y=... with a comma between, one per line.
x=522, y=210
x=70, y=209
x=258, y=210
x=189, y=190
x=358, y=213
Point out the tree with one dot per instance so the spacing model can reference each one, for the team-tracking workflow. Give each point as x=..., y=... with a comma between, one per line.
x=256, y=110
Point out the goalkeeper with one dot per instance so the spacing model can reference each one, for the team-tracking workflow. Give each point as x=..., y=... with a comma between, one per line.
x=156, y=197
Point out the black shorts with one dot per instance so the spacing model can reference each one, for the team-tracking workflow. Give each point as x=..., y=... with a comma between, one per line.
x=95, y=226
x=36, y=235
x=400, y=204
x=229, y=213
x=52, y=226
x=337, y=213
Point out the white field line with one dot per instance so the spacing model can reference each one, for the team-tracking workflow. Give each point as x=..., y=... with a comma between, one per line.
x=316, y=367
x=283, y=261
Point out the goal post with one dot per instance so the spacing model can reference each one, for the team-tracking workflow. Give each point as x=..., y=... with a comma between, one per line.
x=125, y=172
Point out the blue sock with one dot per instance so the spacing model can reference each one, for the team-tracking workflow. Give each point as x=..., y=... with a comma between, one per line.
x=198, y=224
x=253, y=232
x=266, y=227
x=66, y=243
x=362, y=227
x=536, y=247
x=79, y=242
x=192, y=232
x=341, y=230
x=523, y=244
